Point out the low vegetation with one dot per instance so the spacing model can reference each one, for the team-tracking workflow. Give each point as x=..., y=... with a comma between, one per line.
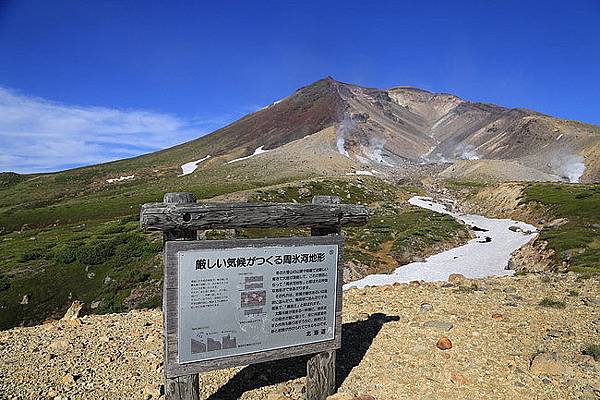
x=592, y=350
x=552, y=303
x=577, y=242
x=100, y=264
x=396, y=232
x=86, y=250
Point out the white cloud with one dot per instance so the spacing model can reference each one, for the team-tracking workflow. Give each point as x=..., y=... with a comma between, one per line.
x=37, y=135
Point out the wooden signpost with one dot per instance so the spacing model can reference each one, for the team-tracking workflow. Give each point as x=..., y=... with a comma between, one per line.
x=236, y=302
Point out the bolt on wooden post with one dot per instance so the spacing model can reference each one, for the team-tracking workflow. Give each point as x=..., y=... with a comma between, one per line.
x=236, y=302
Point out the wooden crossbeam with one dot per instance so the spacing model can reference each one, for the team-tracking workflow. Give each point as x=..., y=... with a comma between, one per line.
x=197, y=216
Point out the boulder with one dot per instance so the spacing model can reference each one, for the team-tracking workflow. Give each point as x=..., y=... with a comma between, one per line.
x=73, y=312
x=547, y=364
x=457, y=278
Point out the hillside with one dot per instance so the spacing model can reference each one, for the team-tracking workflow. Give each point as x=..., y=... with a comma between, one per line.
x=73, y=234
x=512, y=338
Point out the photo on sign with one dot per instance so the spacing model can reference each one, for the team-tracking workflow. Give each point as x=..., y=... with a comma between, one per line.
x=253, y=299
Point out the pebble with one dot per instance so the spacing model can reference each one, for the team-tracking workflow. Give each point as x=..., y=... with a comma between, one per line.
x=444, y=343
x=425, y=308
x=439, y=325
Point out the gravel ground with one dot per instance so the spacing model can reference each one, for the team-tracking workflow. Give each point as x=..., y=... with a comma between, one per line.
x=496, y=327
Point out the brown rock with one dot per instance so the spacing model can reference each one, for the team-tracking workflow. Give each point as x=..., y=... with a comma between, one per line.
x=458, y=378
x=456, y=278
x=341, y=396
x=364, y=397
x=151, y=391
x=67, y=379
x=497, y=317
x=414, y=284
x=444, y=343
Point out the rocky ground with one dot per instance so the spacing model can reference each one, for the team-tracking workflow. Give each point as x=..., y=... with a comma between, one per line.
x=503, y=338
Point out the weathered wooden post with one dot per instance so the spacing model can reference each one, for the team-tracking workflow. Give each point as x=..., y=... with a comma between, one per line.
x=237, y=302
x=185, y=387
x=320, y=369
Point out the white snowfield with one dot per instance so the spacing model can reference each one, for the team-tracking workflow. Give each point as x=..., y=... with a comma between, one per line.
x=258, y=151
x=364, y=173
x=190, y=167
x=476, y=259
x=120, y=179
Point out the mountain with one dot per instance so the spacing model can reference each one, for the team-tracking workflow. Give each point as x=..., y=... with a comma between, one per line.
x=328, y=128
x=74, y=234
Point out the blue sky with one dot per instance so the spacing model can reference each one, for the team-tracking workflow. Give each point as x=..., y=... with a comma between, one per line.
x=85, y=82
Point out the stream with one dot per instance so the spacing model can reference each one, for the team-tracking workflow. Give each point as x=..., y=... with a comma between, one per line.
x=486, y=255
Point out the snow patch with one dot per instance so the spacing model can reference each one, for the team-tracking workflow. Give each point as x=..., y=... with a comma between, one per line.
x=258, y=151
x=478, y=258
x=364, y=173
x=190, y=167
x=120, y=179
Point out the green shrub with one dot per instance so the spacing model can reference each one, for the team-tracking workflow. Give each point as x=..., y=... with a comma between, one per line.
x=65, y=254
x=4, y=283
x=95, y=252
x=33, y=254
x=592, y=350
x=546, y=302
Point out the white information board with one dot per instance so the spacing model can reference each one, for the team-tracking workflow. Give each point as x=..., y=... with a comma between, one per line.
x=236, y=301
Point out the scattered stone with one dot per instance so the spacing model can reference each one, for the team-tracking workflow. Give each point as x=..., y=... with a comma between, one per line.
x=414, y=284
x=304, y=192
x=425, y=308
x=547, y=364
x=95, y=304
x=341, y=396
x=440, y=325
x=458, y=378
x=591, y=302
x=419, y=349
x=152, y=392
x=26, y=298
x=444, y=343
x=556, y=223
x=457, y=278
x=497, y=317
x=68, y=379
x=73, y=311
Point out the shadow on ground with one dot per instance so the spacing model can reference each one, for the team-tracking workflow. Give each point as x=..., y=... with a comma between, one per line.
x=356, y=340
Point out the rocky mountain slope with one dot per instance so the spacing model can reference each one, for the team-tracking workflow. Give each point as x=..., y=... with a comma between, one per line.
x=529, y=337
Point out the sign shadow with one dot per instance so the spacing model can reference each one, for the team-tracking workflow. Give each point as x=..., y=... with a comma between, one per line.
x=356, y=339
